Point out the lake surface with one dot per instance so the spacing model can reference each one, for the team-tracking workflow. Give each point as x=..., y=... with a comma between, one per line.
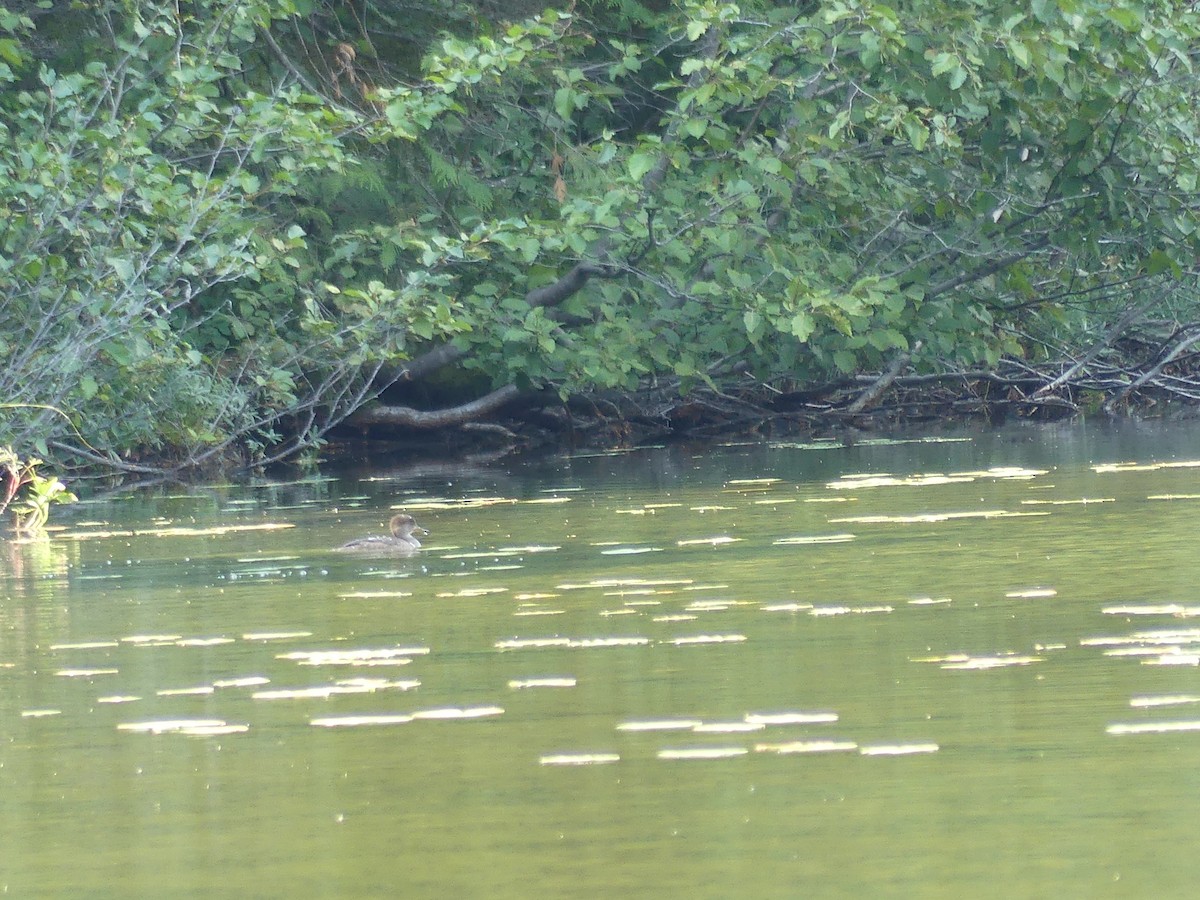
x=952, y=666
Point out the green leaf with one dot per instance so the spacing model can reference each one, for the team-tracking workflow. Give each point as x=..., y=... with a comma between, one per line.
x=641, y=163
x=10, y=51
x=1077, y=132
x=802, y=326
x=917, y=133
x=564, y=102
x=846, y=361
x=1020, y=53
x=943, y=63
x=887, y=339
x=752, y=320
x=1124, y=17
x=1160, y=261
x=399, y=117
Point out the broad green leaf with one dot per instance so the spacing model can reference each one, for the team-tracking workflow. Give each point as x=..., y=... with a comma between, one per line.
x=564, y=103
x=845, y=361
x=1019, y=52
x=802, y=326
x=1160, y=261
x=752, y=320
x=943, y=63
x=641, y=163
x=917, y=133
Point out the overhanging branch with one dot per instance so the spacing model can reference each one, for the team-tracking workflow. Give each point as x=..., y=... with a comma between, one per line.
x=406, y=417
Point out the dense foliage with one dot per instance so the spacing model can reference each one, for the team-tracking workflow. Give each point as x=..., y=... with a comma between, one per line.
x=231, y=225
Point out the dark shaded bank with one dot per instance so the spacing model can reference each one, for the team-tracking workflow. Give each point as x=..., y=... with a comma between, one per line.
x=1143, y=372
x=455, y=422
x=750, y=409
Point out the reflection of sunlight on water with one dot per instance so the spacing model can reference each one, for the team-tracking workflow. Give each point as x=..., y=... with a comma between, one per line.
x=178, y=531
x=848, y=610
x=660, y=725
x=815, y=539
x=988, y=662
x=1110, y=468
x=925, y=518
x=1032, y=594
x=454, y=712
x=345, y=686
x=1153, y=727
x=579, y=759
x=355, y=721
x=707, y=639
x=1171, y=700
x=1178, y=610
x=897, y=749
x=350, y=657
x=817, y=746
x=275, y=635
x=194, y=727
x=702, y=752
x=246, y=681
x=521, y=683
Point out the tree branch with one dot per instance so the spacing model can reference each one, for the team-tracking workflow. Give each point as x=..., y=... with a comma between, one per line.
x=881, y=384
x=990, y=268
x=286, y=62
x=566, y=286
x=1151, y=373
x=406, y=417
x=1131, y=315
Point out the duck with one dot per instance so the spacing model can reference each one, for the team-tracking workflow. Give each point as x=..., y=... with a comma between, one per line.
x=401, y=539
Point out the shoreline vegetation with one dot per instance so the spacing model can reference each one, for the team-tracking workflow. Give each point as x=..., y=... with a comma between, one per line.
x=846, y=409
x=244, y=233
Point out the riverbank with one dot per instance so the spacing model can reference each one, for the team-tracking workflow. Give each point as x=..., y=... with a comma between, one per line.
x=751, y=409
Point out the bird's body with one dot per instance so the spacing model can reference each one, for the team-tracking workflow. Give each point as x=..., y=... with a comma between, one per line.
x=401, y=539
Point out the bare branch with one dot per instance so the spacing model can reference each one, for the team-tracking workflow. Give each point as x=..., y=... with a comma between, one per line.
x=881, y=384
x=1151, y=373
x=407, y=417
x=1132, y=314
x=287, y=63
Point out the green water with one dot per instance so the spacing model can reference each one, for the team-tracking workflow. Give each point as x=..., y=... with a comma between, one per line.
x=915, y=669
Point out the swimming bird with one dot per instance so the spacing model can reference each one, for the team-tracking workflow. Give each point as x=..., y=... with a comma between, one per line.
x=401, y=539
